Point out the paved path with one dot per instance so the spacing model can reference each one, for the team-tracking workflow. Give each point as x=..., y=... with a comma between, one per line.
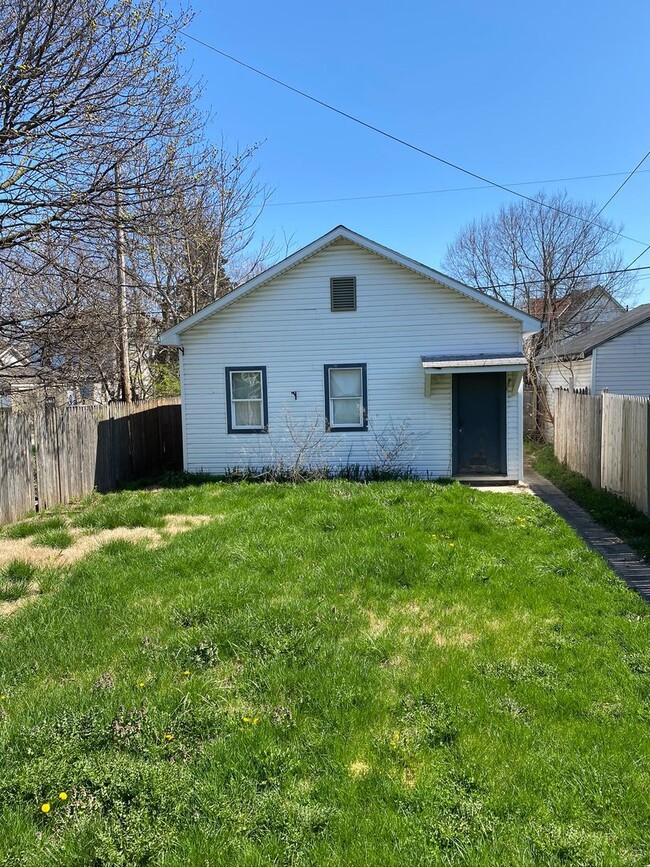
x=621, y=558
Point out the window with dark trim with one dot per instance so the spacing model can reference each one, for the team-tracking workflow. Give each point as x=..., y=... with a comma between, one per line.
x=346, y=397
x=246, y=401
x=343, y=294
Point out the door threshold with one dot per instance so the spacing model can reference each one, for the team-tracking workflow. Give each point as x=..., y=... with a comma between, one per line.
x=478, y=480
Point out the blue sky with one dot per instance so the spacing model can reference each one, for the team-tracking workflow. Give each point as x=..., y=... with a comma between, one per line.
x=513, y=91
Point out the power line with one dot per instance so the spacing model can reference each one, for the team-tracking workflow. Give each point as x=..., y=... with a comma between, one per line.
x=573, y=277
x=622, y=184
x=636, y=259
x=395, y=138
x=138, y=283
x=447, y=190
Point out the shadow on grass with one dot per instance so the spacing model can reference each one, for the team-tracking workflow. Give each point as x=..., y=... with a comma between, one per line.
x=358, y=473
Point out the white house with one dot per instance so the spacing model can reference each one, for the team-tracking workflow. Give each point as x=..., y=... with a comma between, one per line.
x=347, y=352
x=613, y=356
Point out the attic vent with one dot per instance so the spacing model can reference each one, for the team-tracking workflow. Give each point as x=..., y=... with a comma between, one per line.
x=343, y=293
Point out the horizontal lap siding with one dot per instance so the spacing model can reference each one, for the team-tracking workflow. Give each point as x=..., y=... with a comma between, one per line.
x=287, y=326
x=563, y=374
x=622, y=365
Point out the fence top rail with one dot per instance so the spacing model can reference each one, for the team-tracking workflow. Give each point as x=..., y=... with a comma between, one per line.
x=103, y=410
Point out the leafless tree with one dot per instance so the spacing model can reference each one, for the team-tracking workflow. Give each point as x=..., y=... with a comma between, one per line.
x=552, y=258
x=190, y=246
x=539, y=257
x=116, y=217
x=84, y=84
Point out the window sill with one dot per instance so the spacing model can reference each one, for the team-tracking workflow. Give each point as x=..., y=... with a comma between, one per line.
x=256, y=430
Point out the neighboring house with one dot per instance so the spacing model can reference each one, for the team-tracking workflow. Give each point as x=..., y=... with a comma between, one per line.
x=21, y=382
x=614, y=356
x=578, y=311
x=345, y=348
x=26, y=385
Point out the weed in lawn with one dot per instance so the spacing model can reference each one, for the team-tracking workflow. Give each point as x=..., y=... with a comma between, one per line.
x=16, y=580
x=58, y=537
x=112, y=513
x=24, y=529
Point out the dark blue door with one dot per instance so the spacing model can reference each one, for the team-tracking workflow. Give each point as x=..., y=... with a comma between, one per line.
x=479, y=420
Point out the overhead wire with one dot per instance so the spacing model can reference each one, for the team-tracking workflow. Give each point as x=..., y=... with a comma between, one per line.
x=395, y=138
x=451, y=190
x=622, y=184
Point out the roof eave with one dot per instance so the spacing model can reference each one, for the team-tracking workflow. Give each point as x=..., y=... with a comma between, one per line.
x=567, y=356
x=172, y=336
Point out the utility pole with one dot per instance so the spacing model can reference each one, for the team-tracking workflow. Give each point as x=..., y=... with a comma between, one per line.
x=126, y=388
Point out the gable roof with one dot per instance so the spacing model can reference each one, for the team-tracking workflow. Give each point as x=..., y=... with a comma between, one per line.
x=582, y=345
x=172, y=337
x=578, y=299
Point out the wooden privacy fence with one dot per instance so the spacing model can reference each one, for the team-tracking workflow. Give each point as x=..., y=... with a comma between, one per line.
x=606, y=438
x=578, y=423
x=625, y=460
x=55, y=456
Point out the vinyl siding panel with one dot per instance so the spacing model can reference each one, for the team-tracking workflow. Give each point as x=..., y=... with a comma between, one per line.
x=564, y=374
x=622, y=365
x=287, y=326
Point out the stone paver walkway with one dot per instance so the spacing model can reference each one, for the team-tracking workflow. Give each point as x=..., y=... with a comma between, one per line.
x=621, y=558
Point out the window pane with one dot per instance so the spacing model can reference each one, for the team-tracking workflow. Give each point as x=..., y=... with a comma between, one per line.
x=248, y=413
x=346, y=411
x=345, y=382
x=247, y=385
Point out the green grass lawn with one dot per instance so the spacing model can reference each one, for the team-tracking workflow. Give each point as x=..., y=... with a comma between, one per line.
x=612, y=512
x=325, y=674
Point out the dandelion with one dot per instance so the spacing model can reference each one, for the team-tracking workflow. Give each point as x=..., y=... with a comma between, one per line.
x=45, y=808
x=3, y=697
x=141, y=684
x=169, y=737
x=186, y=673
x=452, y=544
x=63, y=796
x=250, y=720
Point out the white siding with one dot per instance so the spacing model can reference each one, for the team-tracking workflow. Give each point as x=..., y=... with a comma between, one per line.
x=563, y=374
x=622, y=365
x=286, y=325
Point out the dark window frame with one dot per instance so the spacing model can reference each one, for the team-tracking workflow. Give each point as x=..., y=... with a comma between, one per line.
x=364, y=385
x=265, y=405
x=346, y=309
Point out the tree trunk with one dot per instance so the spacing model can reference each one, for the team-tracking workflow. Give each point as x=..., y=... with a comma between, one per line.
x=126, y=388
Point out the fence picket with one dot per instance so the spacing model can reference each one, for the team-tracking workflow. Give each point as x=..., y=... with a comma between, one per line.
x=16, y=478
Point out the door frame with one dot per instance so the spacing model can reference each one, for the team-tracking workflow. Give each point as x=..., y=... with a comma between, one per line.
x=503, y=426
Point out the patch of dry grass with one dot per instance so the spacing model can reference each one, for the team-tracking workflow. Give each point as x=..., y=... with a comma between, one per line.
x=29, y=548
